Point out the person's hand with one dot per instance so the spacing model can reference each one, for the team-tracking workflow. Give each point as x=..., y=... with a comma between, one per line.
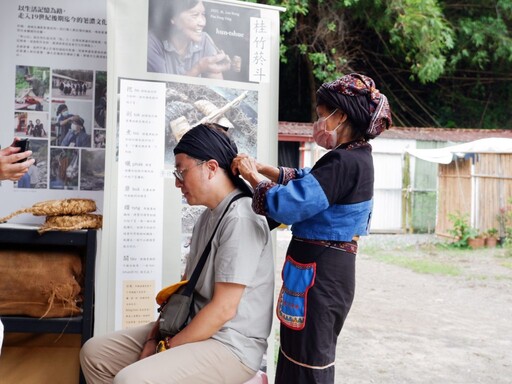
x=247, y=167
x=215, y=64
x=149, y=348
x=9, y=168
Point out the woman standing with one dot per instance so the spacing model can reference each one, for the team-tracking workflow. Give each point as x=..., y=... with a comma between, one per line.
x=329, y=207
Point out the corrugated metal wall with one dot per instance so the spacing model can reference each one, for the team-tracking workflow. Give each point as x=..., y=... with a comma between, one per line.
x=424, y=192
x=387, y=211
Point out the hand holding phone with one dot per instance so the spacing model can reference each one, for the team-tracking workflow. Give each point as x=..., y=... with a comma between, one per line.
x=24, y=145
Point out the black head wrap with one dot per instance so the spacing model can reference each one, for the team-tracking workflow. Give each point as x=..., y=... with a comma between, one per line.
x=206, y=142
x=210, y=141
x=356, y=95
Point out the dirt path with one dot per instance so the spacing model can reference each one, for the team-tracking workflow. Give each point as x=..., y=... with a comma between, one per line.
x=407, y=327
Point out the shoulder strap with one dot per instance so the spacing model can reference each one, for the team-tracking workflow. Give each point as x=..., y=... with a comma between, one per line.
x=189, y=288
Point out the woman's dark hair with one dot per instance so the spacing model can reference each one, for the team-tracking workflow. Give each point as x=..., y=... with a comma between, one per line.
x=359, y=123
x=321, y=101
x=162, y=11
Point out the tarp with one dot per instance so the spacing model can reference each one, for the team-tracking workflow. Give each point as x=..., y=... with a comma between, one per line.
x=447, y=154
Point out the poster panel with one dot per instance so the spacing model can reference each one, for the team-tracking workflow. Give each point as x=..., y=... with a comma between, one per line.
x=53, y=69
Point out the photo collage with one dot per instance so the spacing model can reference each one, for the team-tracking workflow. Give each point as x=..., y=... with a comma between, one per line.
x=62, y=113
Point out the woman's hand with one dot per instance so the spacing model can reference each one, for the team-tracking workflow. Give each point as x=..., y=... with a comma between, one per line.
x=215, y=64
x=248, y=168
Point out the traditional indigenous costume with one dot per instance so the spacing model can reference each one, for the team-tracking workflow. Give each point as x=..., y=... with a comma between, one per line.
x=329, y=207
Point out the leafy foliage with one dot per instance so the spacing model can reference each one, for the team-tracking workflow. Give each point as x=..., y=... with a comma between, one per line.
x=441, y=63
x=461, y=230
x=422, y=35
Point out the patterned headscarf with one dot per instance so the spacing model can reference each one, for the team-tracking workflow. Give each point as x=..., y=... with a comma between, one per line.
x=356, y=95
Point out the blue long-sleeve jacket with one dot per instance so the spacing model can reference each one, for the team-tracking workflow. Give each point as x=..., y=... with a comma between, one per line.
x=331, y=201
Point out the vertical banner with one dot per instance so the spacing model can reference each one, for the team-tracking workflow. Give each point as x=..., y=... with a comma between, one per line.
x=170, y=68
x=53, y=69
x=140, y=199
x=259, y=68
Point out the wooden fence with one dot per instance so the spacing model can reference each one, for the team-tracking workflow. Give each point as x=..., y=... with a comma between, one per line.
x=479, y=186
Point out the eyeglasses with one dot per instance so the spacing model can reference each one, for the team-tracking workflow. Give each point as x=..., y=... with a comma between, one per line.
x=179, y=174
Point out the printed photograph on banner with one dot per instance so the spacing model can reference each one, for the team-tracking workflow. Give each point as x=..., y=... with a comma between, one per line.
x=100, y=100
x=99, y=138
x=72, y=84
x=189, y=216
x=188, y=105
x=71, y=123
x=37, y=175
x=32, y=88
x=92, y=170
x=199, y=39
x=31, y=124
x=64, y=168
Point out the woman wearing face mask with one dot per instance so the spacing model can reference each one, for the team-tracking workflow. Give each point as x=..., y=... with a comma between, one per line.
x=64, y=120
x=177, y=42
x=329, y=207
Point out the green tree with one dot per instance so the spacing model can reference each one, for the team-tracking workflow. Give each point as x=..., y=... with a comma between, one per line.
x=441, y=63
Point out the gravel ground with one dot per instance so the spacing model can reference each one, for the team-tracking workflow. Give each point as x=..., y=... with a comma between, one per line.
x=414, y=328
x=391, y=242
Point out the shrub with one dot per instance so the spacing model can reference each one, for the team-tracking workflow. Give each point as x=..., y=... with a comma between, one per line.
x=461, y=230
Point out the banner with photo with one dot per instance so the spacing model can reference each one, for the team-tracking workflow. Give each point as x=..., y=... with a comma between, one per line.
x=53, y=68
x=172, y=65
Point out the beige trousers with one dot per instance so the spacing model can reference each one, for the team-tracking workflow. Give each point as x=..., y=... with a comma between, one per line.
x=113, y=358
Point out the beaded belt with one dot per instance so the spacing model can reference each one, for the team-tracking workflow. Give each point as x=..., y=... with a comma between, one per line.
x=347, y=246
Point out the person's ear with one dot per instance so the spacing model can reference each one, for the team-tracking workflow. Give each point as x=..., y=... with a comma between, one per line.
x=343, y=118
x=212, y=165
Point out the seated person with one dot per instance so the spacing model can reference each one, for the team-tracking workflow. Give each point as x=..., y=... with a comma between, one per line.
x=227, y=337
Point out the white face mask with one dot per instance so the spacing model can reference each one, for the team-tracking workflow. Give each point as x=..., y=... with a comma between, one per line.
x=323, y=137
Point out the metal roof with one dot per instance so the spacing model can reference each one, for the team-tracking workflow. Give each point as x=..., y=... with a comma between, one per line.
x=294, y=131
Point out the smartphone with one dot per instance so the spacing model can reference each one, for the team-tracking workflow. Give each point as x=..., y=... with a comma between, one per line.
x=24, y=145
